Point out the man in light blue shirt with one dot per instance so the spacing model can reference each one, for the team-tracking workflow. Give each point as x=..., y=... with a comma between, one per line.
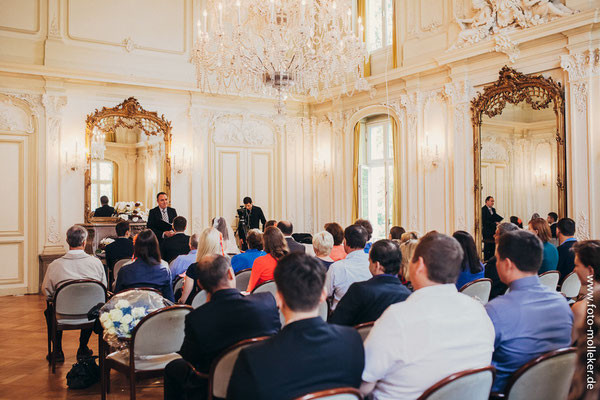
x=245, y=260
x=182, y=262
x=531, y=319
x=353, y=268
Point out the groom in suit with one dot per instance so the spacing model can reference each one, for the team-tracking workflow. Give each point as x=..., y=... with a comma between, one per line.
x=160, y=218
x=489, y=221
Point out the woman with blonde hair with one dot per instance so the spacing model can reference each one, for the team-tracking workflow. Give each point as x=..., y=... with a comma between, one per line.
x=408, y=249
x=412, y=235
x=210, y=241
x=540, y=227
x=275, y=246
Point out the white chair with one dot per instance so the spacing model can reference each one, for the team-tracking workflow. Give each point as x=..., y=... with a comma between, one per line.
x=222, y=368
x=550, y=279
x=364, y=329
x=199, y=299
x=323, y=310
x=69, y=309
x=571, y=286
x=242, y=278
x=268, y=286
x=547, y=377
x=473, y=384
x=478, y=289
x=118, y=265
x=154, y=343
x=344, y=393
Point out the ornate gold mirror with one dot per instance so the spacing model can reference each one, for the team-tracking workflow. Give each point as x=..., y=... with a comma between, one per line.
x=519, y=151
x=128, y=159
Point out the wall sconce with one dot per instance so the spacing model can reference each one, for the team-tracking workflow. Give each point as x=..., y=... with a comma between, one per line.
x=182, y=163
x=542, y=177
x=321, y=169
x=322, y=161
x=77, y=162
x=430, y=153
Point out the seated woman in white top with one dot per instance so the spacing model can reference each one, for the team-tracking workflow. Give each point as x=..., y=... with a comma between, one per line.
x=220, y=224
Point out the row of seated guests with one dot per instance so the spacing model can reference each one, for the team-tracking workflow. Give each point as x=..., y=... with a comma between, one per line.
x=561, y=259
x=417, y=340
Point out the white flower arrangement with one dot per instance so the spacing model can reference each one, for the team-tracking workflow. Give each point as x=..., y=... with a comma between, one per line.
x=106, y=241
x=131, y=211
x=121, y=320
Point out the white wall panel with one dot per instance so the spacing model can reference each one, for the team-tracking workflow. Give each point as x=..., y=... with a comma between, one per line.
x=11, y=221
x=157, y=25
x=12, y=256
x=229, y=181
x=260, y=178
x=20, y=15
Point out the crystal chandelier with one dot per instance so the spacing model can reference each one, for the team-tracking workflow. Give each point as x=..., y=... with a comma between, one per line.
x=279, y=48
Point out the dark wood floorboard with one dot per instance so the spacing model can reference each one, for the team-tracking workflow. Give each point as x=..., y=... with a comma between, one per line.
x=24, y=371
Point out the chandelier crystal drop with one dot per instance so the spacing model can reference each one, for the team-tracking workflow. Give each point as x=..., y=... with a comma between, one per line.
x=279, y=48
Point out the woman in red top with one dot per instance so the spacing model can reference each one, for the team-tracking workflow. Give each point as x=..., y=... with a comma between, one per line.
x=337, y=252
x=276, y=247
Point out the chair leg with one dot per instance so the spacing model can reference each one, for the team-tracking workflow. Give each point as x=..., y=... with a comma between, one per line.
x=102, y=368
x=53, y=355
x=132, y=386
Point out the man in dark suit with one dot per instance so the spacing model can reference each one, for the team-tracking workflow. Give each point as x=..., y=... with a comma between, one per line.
x=160, y=218
x=120, y=249
x=254, y=216
x=178, y=244
x=232, y=316
x=105, y=210
x=565, y=231
x=489, y=220
x=491, y=272
x=365, y=301
x=287, y=229
x=308, y=354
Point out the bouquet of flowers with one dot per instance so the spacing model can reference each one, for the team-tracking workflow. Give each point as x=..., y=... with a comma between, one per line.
x=105, y=242
x=121, y=314
x=130, y=210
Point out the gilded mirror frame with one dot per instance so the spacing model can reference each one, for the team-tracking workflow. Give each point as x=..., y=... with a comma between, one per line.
x=514, y=87
x=128, y=114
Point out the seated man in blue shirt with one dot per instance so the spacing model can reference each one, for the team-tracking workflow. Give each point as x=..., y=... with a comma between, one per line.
x=182, y=262
x=531, y=319
x=255, y=249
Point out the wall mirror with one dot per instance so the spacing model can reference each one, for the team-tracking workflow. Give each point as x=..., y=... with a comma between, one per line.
x=519, y=143
x=128, y=156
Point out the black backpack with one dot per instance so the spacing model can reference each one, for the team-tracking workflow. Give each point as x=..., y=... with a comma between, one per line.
x=85, y=373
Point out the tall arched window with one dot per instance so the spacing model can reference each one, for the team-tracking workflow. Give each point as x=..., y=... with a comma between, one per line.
x=102, y=174
x=376, y=174
x=379, y=24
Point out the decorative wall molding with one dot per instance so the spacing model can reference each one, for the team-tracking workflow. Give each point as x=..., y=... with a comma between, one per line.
x=583, y=227
x=493, y=17
x=14, y=118
x=581, y=65
x=581, y=94
x=492, y=150
x=242, y=130
x=53, y=232
x=506, y=46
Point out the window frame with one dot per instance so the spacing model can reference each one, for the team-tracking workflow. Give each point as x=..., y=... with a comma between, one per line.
x=384, y=27
x=94, y=181
x=387, y=162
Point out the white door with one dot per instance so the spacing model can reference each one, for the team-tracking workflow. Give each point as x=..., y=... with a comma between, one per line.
x=18, y=212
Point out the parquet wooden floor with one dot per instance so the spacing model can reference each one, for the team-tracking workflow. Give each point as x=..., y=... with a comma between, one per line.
x=24, y=371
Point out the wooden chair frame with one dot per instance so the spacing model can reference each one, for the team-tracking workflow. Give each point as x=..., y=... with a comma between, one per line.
x=518, y=373
x=129, y=370
x=262, y=284
x=54, y=326
x=364, y=325
x=244, y=270
x=466, y=285
x=440, y=384
x=213, y=365
x=331, y=392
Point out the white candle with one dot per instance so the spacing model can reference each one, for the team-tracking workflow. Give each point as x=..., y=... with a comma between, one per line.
x=220, y=14
x=199, y=30
x=205, y=15
x=239, y=5
x=272, y=10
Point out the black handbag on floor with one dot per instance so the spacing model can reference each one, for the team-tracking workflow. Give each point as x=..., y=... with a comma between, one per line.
x=84, y=373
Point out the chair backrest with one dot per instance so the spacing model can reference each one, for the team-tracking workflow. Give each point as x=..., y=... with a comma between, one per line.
x=472, y=384
x=178, y=284
x=222, y=367
x=547, y=377
x=79, y=296
x=364, y=329
x=118, y=265
x=478, y=289
x=242, y=278
x=323, y=310
x=343, y=393
x=160, y=332
x=199, y=299
x=550, y=279
x=141, y=288
x=268, y=286
x=571, y=286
